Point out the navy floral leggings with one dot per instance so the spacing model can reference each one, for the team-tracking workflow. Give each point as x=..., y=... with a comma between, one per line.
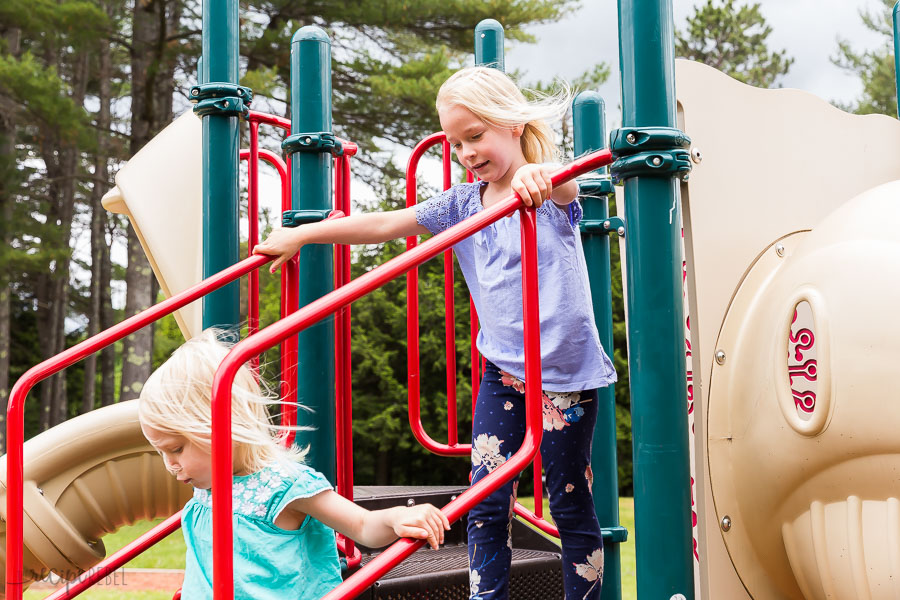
x=497, y=432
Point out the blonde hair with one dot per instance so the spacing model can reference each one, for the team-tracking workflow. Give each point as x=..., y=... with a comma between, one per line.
x=493, y=97
x=177, y=400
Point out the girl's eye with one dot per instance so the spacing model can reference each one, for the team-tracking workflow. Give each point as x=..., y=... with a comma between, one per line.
x=177, y=450
x=476, y=136
x=457, y=146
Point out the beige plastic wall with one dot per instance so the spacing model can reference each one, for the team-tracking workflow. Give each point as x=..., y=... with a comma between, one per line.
x=160, y=190
x=83, y=479
x=811, y=499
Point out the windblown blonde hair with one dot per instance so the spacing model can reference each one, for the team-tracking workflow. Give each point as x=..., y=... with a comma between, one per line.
x=177, y=400
x=493, y=97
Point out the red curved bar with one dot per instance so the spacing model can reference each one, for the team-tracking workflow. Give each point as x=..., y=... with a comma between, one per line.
x=412, y=322
x=223, y=575
x=536, y=520
x=15, y=422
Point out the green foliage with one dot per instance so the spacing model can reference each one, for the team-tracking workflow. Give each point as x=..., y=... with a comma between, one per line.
x=874, y=67
x=733, y=39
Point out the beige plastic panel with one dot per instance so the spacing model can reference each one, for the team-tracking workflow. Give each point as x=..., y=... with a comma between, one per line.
x=775, y=163
x=83, y=479
x=160, y=190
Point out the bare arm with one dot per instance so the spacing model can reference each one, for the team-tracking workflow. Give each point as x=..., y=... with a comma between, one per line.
x=363, y=228
x=373, y=528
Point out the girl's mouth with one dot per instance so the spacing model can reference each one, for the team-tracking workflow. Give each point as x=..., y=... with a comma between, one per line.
x=480, y=166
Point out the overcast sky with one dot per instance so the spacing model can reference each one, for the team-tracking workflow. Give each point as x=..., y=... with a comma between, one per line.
x=807, y=29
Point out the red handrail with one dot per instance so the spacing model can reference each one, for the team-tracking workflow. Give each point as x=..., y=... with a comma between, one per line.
x=15, y=424
x=223, y=579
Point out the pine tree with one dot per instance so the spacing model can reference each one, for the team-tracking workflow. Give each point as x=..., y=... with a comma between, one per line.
x=874, y=67
x=733, y=39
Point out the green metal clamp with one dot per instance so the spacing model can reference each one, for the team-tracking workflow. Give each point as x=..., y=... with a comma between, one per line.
x=293, y=218
x=615, y=535
x=221, y=99
x=659, y=163
x=595, y=187
x=653, y=151
x=611, y=225
x=322, y=141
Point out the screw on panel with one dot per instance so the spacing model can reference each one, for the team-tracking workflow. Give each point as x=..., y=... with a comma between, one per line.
x=678, y=597
x=631, y=138
x=779, y=249
x=621, y=231
x=720, y=357
x=411, y=502
x=656, y=161
x=696, y=156
x=726, y=523
x=606, y=224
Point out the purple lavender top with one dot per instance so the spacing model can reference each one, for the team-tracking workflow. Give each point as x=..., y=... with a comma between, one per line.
x=572, y=358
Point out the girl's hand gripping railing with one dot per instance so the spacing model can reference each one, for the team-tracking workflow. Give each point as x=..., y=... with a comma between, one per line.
x=15, y=424
x=223, y=574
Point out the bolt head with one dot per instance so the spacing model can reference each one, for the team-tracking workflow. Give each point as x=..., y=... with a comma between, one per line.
x=696, y=155
x=606, y=225
x=720, y=357
x=631, y=138
x=656, y=161
x=779, y=249
x=621, y=231
x=678, y=597
x=411, y=502
x=726, y=523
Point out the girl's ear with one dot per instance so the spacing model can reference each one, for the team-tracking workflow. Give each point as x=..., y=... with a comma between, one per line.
x=518, y=130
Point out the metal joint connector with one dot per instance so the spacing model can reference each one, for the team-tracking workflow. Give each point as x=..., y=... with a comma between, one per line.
x=293, y=218
x=609, y=225
x=595, y=187
x=614, y=535
x=227, y=99
x=649, y=151
x=321, y=141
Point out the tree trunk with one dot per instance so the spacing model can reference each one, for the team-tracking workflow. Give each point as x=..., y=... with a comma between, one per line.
x=152, y=86
x=98, y=219
x=108, y=354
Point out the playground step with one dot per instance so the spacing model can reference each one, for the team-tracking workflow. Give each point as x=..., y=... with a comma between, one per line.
x=443, y=574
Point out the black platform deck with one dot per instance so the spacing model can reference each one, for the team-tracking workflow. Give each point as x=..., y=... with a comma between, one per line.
x=443, y=574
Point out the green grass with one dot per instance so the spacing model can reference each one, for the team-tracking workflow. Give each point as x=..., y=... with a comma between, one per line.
x=626, y=552
x=167, y=554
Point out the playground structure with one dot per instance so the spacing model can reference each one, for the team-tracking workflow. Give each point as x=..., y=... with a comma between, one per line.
x=789, y=345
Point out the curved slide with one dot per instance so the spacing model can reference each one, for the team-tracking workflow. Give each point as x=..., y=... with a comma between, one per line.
x=84, y=479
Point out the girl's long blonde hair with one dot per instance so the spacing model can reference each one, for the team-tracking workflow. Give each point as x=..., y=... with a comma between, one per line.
x=177, y=398
x=493, y=97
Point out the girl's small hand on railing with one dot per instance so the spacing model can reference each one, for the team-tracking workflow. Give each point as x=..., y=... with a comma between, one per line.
x=283, y=242
x=533, y=184
x=424, y=522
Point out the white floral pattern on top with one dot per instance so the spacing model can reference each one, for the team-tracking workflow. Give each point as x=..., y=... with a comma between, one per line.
x=250, y=494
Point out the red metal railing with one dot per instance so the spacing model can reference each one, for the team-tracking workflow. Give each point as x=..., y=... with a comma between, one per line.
x=452, y=447
x=223, y=576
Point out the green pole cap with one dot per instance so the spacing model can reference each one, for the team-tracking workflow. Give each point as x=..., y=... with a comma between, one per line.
x=589, y=123
x=310, y=33
x=489, y=44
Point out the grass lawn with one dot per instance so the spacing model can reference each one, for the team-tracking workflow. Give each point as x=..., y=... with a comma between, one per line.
x=626, y=552
x=169, y=554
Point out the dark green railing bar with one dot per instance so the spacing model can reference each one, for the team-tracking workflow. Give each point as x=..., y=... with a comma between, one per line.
x=589, y=126
x=662, y=502
x=221, y=146
x=489, y=44
x=311, y=190
x=896, y=20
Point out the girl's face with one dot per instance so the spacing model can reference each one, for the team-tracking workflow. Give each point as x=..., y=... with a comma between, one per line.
x=185, y=460
x=492, y=153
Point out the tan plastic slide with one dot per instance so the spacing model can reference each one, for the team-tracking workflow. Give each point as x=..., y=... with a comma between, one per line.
x=84, y=479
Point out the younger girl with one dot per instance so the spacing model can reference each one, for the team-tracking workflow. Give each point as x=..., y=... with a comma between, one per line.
x=284, y=511
x=501, y=137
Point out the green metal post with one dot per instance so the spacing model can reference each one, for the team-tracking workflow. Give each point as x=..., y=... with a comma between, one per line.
x=590, y=133
x=662, y=503
x=897, y=52
x=489, y=44
x=220, y=165
x=311, y=183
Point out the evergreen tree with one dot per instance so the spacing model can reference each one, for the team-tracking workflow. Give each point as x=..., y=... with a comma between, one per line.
x=874, y=67
x=733, y=39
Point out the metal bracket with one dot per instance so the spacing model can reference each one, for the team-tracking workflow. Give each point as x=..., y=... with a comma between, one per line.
x=293, y=218
x=611, y=225
x=227, y=99
x=595, y=187
x=614, y=535
x=649, y=151
x=321, y=141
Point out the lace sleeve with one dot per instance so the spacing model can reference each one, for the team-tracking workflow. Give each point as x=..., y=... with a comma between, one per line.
x=439, y=213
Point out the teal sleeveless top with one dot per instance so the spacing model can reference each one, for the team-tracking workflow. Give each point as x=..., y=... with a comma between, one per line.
x=269, y=563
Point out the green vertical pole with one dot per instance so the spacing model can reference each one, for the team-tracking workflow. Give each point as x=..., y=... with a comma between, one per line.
x=489, y=44
x=311, y=190
x=656, y=359
x=220, y=165
x=896, y=18
x=590, y=132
